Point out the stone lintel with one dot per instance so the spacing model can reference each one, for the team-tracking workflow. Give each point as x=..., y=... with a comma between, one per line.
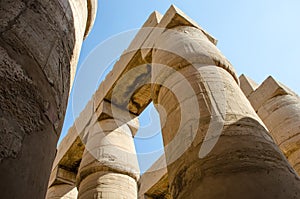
x=62, y=176
x=71, y=148
x=154, y=182
x=129, y=59
x=173, y=17
x=65, y=145
x=247, y=85
x=136, y=56
x=69, y=151
x=268, y=89
x=85, y=116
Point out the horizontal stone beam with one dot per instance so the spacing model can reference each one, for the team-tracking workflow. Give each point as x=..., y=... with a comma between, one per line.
x=154, y=182
x=97, y=106
x=62, y=176
x=173, y=17
x=129, y=59
x=112, y=94
x=135, y=63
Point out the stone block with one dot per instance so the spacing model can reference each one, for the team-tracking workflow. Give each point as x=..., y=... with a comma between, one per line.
x=247, y=85
x=268, y=89
x=154, y=182
x=85, y=117
x=60, y=175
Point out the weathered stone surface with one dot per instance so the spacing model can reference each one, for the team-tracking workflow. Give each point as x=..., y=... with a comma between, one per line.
x=62, y=175
x=154, y=182
x=268, y=89
x=279, y=108
x=85, y=116
x=71, y=148
x=241, y=161
x=109, y=166
x=118, y=85
x=70, y=151
x=173, y=17
x=108, y=184
x=39, y=48
x=216, y=145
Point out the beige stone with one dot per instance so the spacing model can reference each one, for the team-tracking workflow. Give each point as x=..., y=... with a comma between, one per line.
x=40, y=44
x=109, y=166
x=279, y=108
x=154, y=182
x=216, y=146
x=247, y=85
x=213, y=162
x=129, y=59
x=62, y=191
x=62, y=176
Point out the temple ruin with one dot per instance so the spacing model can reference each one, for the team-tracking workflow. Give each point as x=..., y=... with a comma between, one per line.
x=224, y=136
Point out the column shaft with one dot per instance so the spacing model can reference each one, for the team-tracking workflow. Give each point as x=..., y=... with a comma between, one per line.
x=39, y=47
x=283, y=122
x=215, y=144
x=62, y=191
x=279, y=109
x=109, y=167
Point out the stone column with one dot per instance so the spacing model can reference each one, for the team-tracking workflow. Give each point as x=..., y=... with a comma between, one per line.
x=39, y=47
x=109, y=167
x=279, y=109
x=62, y=191
x=215, y=144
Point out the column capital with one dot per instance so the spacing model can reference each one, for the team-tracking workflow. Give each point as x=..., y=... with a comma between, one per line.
x=106, y=110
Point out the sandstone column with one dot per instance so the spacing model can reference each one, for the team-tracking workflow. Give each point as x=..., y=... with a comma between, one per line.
x=279, y=109
x=39, y=47
x=109, y=167
x=62, y=191
x=215, y=144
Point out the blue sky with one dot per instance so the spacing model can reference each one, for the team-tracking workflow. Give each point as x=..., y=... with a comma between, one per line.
x=259, y=37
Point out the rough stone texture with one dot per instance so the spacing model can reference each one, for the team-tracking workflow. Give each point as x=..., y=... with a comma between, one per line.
x=244, y=161
x=39, y=47
x=109, y=167
x=200, y=95
x=279, y=109
x=69, y=152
